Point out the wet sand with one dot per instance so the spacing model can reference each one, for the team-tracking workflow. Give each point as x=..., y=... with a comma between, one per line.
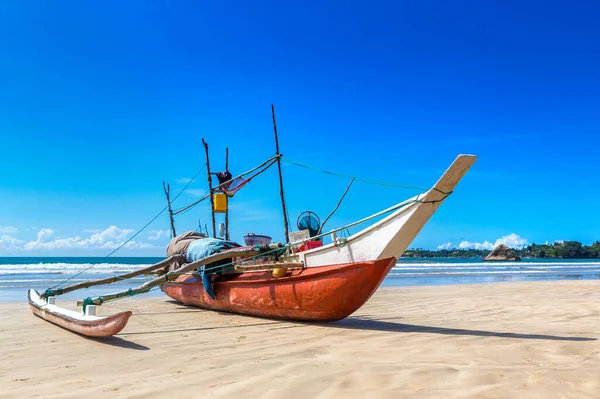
x=503, y=340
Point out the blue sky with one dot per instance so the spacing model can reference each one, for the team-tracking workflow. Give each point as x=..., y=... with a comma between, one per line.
x=101, y=102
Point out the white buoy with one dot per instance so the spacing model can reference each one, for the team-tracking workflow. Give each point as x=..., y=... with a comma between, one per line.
x=51, y=300
x=90, y=310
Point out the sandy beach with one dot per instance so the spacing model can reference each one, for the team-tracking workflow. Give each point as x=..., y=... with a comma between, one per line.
x=503, y=340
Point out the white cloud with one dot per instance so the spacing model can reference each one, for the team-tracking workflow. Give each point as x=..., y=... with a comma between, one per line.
x=8, y=242
x=158, y=234
x=43, y=236
x=8, y=229
x=184, y=180
x=476, y=245
x=447, y=245
x=110, y=238
x=512, y=240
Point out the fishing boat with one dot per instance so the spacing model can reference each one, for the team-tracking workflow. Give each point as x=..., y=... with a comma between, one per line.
x=329, y=282
x=302, y=279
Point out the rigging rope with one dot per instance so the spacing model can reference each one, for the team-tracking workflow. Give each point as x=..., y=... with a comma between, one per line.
x=132, y=237
x=231, y=265
x=379, y=183
x=193, y=204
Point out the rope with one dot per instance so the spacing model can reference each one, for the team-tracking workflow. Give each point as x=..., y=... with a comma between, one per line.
x=190, y=206
x=132, y=237
x=379, y=183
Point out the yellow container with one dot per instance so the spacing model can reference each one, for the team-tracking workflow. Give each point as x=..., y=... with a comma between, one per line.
x=279, y=272
x=220, y=201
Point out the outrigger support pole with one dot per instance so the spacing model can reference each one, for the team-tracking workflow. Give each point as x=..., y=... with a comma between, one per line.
x=210, y=187
x=228, y=254
x=113, y=279
x=167, y=189
x=285, y=219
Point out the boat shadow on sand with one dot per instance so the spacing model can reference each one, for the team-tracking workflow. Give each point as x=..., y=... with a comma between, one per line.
x=374, y=323
x=366, y=323
x=350, y=323
x=369, y=324
x=118, y=342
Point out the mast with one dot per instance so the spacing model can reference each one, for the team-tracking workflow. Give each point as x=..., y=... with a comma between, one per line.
x=212, y=200
x=285, y=219
x=226, y=197
x=167, y=190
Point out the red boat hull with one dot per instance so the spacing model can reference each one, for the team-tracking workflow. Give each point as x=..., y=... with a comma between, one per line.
x=316, y=293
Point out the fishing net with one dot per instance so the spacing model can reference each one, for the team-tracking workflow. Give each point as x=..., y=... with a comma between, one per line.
x=309, y=220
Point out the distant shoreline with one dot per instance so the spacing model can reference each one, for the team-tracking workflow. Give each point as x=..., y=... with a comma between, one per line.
x=557, y=250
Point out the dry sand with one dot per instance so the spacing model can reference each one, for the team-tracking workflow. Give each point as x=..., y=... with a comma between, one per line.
x=505, y=340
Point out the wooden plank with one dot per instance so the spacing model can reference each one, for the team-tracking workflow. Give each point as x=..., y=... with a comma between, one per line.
x=268, y=266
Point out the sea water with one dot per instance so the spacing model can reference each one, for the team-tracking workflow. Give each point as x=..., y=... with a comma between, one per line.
x=18, y=274
x=441, y=271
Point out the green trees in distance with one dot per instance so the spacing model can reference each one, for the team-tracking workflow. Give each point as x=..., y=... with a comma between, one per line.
x=560, y=249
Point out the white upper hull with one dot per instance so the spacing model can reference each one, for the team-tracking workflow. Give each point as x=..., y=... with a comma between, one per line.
x=391, y=236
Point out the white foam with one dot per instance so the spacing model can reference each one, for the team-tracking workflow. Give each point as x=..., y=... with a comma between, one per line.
x=69, y=268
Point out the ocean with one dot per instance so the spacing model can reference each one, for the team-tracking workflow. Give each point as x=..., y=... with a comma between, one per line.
x=18, y=274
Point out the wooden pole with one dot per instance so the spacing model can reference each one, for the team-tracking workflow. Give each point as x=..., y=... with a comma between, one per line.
x=285, y=219
x=210, y=187
x=231, y=253
x=167, y=189
x=226, y=197
x=114, y=279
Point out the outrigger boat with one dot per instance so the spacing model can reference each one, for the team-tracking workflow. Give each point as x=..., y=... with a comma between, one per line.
x=293, y=281
x=326, y=283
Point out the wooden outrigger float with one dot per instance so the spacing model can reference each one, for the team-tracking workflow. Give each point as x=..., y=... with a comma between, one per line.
x=292, y=281
x=85, y=324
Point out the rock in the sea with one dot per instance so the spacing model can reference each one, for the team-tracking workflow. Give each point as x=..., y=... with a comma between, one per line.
x=502, y=253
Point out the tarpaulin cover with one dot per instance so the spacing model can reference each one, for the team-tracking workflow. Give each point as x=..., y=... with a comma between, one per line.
x=200, y=249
